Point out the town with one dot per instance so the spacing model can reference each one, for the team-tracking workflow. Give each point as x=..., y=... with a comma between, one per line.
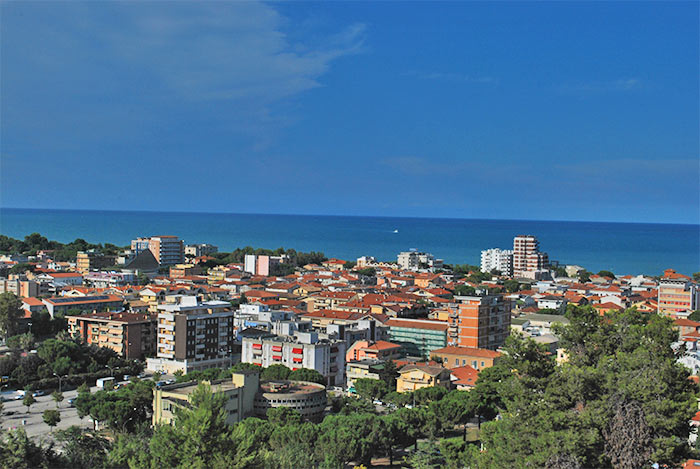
x=288, y=335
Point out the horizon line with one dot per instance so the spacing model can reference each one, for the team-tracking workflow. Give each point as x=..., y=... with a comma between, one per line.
x=339, y=216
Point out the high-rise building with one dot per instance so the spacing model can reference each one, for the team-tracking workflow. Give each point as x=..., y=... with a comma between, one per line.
x=193, y=335
x=168, y=250
x=497, y=259
x=678, y=295
x=260, y=265
x=528, y=261
x=482, y=321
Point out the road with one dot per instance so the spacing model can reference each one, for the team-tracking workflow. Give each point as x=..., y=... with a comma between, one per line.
x=15, y=414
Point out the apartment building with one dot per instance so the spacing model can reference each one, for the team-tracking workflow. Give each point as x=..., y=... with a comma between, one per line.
x=239, y=392
x=87, y=261
x=482, y=321
x=497, y=259
x=109, y=279
x=528, y=261
x=456, y=357
x=261, y=265
x=412, y=377
x=131, y=335
x=22, y=287
x=197, y=250
x=414, y=260
x=65, y=304
x=418, y=337
x=368, y=349
x=184, y=270
x=304, y=350
x=193, y=335
x=678, y=295
x=168, y=250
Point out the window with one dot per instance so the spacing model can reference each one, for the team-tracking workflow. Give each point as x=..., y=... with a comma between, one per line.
x=483, y=364
x=474, y=363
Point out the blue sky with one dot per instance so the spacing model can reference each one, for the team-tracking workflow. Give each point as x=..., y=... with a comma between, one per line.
x=560, y=111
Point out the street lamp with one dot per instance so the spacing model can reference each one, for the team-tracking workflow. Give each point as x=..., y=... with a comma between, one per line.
x=111, y=370
x=59, y=380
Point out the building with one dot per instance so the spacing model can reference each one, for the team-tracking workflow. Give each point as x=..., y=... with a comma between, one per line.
x=412, y=377
x=379, y=350
x=678, y=296
x=363, y=369
x=240, y=394
x=455, y=357
x=304, y=350
x=528, y=261
x=193, y=335
x=22, y=287
x=464, y=378
x=414, y=260
x=482, y=321
x=131, y=335
x=168, y=250
x=197, y=250
x=63, y=305
x=497, y=259
x=109, y=279
x=309, y=399
x=139, y=244
x=184, y=270
x=87, y=261
x=261, y=265
x=418, y=337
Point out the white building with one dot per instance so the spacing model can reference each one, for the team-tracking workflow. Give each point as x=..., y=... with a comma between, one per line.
x=304, y=350
x=414, y=260
x=497, y=259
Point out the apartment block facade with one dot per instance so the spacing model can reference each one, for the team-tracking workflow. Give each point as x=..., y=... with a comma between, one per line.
x=678, y=297
x=131, y=335
x=87, y=261
x=528, y=261
x=497, y=259
x=168, y=250
x=193, y=335
x=414, y=260
x=305, y=350
x=482, y=321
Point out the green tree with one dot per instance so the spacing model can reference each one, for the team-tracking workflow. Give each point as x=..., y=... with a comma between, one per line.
x=388, y=374
x=17, y=451
x=622, y=400
x=307, y=374
x=83, y=450
x=606, y=273
x=371, y=388
x=10, y=313
x=200, y=438
x=275, y=372
x=51, y=417
x=511, y=286
x=695, y=315
x=283, y=416
x=57, y=397
x=28, y=400
x=464, y=290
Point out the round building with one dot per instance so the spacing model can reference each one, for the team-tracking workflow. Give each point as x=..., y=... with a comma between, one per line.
x=309, y=399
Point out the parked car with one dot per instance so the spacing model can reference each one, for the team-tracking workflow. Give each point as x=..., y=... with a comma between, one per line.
x=127, y=377
x=71, y=401
x=38, y=393
x=170, y=381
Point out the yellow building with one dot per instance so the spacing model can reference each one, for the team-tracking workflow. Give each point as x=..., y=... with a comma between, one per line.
x=412, y=377
x=240, y=393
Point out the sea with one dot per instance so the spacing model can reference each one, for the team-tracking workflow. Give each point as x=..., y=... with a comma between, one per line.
x=623, y=248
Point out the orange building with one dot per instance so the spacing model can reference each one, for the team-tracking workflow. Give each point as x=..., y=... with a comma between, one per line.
x=678, y=295
x=380, y=350
x=131, y=335
x=482, y=321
